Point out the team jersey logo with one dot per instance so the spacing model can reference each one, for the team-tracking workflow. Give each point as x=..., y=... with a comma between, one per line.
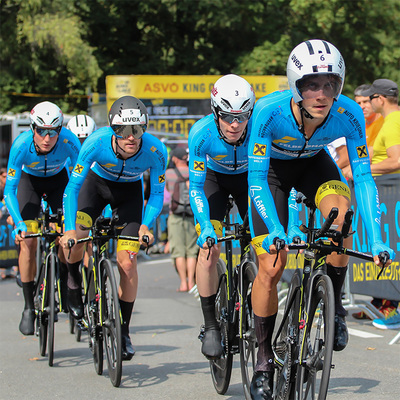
x=285, y=139
x=161, y=178
x=198, y=166
x=220, y=157
x=341, y=110
x=33, y=165
x=109, y=165
x=153, y=148
x=65, y=140
x=11, y=172
x=362, y=151
x=78, y=169
x=259, y=149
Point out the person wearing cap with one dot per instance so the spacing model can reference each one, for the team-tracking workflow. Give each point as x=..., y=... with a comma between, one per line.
x=385, y=156
x=109, y=170
x=182, y=234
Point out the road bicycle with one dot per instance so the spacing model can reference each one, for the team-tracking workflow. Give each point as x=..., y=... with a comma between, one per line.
x=303, y=343
x=233, y=307
x=102, y=317
x=48, y=299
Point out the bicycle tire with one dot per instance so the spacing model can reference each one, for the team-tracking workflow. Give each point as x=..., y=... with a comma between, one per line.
x=314, y=372
x=247, y=335
x=41, y=304
x=221, y=369
x=52, y=307
x=92, y=316
x=285, y=348
x=111, y=323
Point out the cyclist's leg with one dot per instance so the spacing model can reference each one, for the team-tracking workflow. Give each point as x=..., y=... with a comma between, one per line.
x=206, y=267
x=325, y=184
x=29, y=204
x=127, y=202
x=264, y=292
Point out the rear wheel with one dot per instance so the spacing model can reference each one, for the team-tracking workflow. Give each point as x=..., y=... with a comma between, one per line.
x=221, y=369
x=111, y=322
x=285, y=347
x=316, y=358
x=248, y=340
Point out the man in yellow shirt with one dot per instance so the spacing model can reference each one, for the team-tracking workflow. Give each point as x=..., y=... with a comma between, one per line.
x=385, y=157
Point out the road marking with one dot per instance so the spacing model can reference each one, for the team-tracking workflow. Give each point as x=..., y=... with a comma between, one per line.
x=362, y=334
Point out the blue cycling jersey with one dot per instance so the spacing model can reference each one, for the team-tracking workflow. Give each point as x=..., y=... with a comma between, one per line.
x=24, y=157
x=208, y=150
x=275, y=134
x=98, y=155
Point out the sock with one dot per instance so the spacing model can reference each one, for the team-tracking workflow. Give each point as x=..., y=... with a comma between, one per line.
x=264, y=327
x=126, y=312
x=28, y=289
x=337, y=275
x=74, y=276
x=208, y=308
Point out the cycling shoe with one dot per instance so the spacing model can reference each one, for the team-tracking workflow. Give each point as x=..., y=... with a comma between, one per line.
x=211, y=347
x=262, y=385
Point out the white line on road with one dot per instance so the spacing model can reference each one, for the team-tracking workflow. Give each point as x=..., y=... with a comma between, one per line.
x=362, y=334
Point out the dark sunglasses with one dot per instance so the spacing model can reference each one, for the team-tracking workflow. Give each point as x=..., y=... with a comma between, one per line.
x=43, y=132
x=230, y=117
x=375, y=96
x=125, y=131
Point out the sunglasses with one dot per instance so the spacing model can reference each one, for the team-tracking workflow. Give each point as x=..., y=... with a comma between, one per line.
x=43, y=132
x=125, y=131
x=375, y=96
x=230, y=118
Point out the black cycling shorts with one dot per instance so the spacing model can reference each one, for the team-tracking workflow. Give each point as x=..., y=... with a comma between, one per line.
x=125, y=198
x=31, y=189
x=306, y=175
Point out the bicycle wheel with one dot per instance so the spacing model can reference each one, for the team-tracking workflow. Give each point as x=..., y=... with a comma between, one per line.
x=111, y=317
x=285, y=346
x=92, y=313
x=316, y=357
x=221, y=369
x=41, y=304
x=247, y=334
x=52, y=306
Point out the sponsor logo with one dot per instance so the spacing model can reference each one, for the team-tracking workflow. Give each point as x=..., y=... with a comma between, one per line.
x=362, y=151
x=285, y=139
x=259, y=149
x=11, y=172
x=199, y=166
x=161, y=178
x=78, y=169
x=297, y=62
x=341, y=110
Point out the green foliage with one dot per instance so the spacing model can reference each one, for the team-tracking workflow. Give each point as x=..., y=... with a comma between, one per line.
x=67, y=47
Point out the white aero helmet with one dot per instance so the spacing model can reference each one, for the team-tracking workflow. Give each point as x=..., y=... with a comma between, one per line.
x=232, y=94
x=46, y=115
x=128, y=116
x=81, y=126
x=314, y=57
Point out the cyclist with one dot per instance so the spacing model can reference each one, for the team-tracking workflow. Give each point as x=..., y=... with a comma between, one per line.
x=286, y=149
x=36, y=166
x=82, y=126
x=217, y=168
x=110, y=170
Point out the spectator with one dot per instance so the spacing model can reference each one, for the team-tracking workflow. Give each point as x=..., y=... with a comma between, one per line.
x=182, y=234
x=385, y=156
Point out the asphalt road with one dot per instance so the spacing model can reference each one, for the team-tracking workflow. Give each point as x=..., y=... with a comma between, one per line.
x=168, y=363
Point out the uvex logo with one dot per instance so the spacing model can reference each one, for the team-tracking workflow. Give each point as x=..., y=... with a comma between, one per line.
x=130, y=119
x=296, y=62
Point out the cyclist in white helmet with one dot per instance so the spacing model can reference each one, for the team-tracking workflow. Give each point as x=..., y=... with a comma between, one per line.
x=82, y=126
x=289, y=133
x=37, y=166
x=218, y=161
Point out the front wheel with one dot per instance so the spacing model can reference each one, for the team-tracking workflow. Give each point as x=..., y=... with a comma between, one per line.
x=221, y=369
x=41, y=304
x=285, y=345
x=247, y=334
x=316, y=357
x=111, y=317
x=52, y=262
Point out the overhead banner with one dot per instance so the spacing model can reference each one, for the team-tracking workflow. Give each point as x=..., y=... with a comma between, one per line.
x=182, y=86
